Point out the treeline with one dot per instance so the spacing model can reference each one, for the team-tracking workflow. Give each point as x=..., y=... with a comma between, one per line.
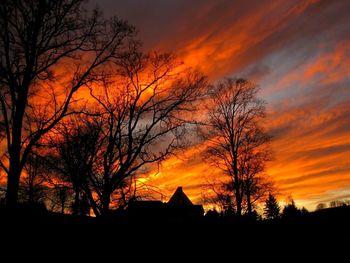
x=333, y=204
x=272, y=211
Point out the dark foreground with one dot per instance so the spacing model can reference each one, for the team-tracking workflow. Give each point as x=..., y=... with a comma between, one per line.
x=317, y=232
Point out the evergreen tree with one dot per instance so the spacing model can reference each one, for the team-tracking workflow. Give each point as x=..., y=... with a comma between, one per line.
x=272, y=209
x=290, y=211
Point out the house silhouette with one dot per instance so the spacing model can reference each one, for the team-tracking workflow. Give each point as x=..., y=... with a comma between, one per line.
x=178, y=208
x=179, y=199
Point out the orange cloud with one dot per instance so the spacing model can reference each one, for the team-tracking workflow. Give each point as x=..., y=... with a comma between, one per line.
x=223, y=48
x=312, y=150
x=190, y=172
x=298, y=51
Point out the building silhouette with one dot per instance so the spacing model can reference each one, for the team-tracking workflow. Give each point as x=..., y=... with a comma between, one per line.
x=178, y=208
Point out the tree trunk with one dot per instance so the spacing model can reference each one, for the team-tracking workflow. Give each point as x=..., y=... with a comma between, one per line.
x=249, y=204
x=92, y=202
x=13, y=184
x=76, y=205
x=238, y=203
x=15, y=168
x=237, y=188
x=106, y=194
x=106, y=199
x=14, y=172
x=31, y=192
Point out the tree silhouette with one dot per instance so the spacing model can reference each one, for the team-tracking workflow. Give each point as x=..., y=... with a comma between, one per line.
x=137, y=119
x=234, y=136
x=84, y=205
x=252, y=157
x=304, y=211
x=62, y=193
x=321, y=206
x=338, y=203
x=272, y=208
x=222, y=196
x=32, y=188
x=290, y=211
x=48, y=50
x=145, y=111
x=73, y=155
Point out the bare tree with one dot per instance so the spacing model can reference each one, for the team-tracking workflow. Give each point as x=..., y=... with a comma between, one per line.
x=321, y=206
x=233, y=116
x=338, y=203
x=146, y=111
x=48, y=50
x=32, y=184
x=253, y=154
x=74, y=146
x=220, y=194
x=61, y=196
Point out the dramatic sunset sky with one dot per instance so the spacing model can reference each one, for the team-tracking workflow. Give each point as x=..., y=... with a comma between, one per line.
x=297, y=51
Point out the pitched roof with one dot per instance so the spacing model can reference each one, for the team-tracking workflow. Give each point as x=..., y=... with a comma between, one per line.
x=179, y=198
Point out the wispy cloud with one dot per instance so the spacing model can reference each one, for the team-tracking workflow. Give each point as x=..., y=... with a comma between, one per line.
x=297, y=51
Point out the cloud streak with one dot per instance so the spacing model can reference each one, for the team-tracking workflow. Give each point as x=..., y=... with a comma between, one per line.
x=297, y=51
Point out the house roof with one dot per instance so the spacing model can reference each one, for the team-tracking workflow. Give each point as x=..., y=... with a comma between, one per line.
x=179, y=198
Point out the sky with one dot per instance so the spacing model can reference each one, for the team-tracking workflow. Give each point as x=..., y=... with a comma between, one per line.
x=298, y=52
